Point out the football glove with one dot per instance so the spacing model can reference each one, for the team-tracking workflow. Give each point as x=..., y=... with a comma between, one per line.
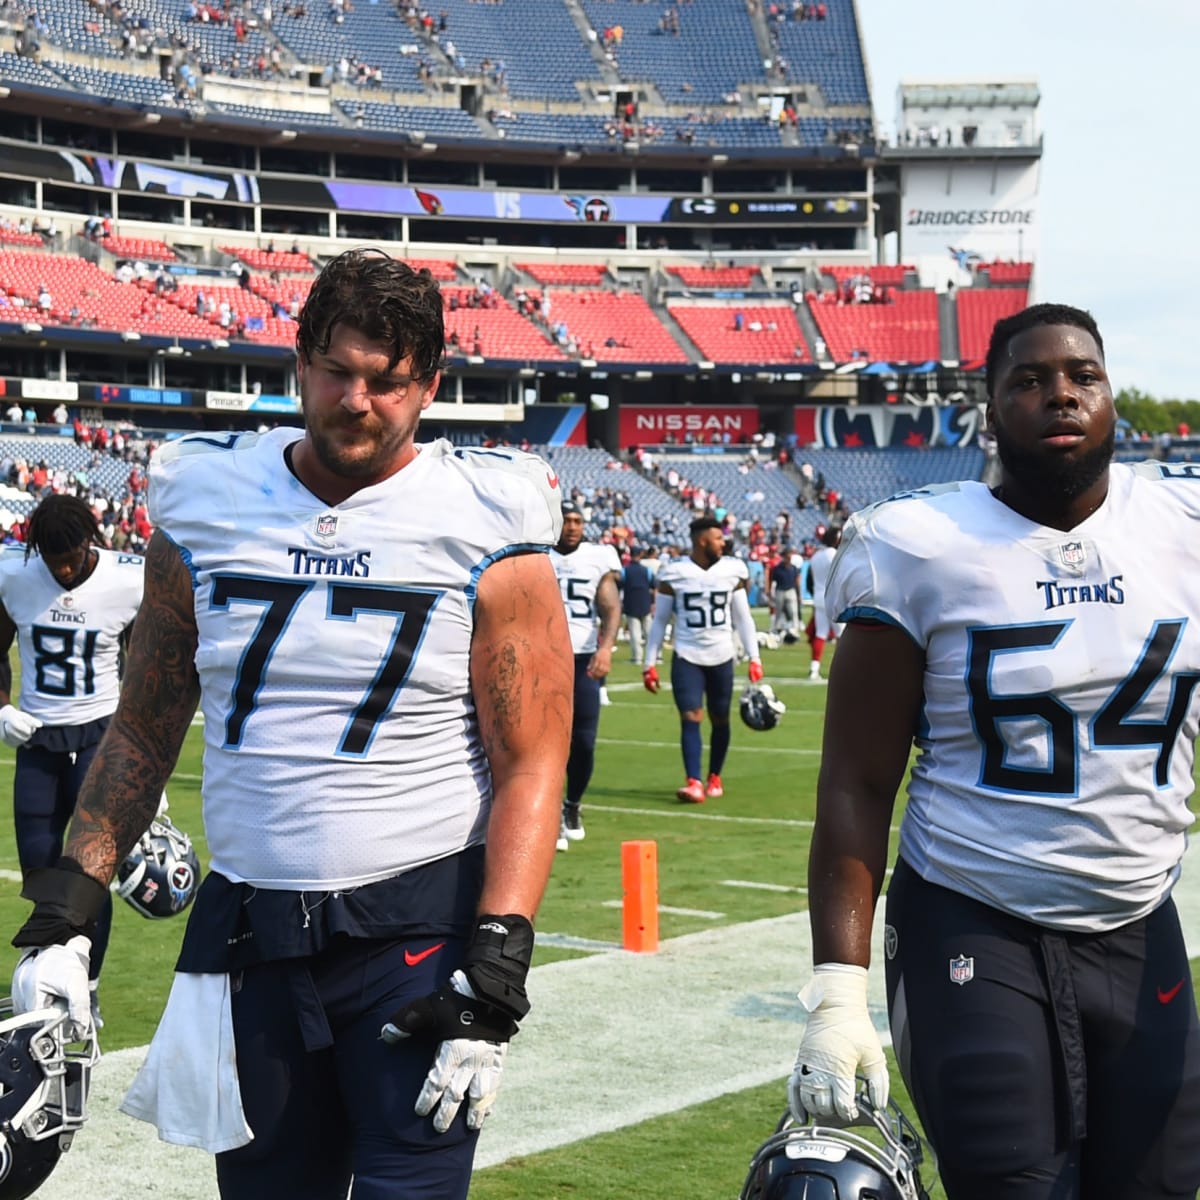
x=56, y=977
x=839, y=1044
x=17, y=727
x=473, y=1018
x=650, y=679
x=755, y=671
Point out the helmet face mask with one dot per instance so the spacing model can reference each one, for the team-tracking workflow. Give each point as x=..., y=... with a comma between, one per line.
x=835, y=1162
x=760, y=708
x=161, y=874
x=43, y=1095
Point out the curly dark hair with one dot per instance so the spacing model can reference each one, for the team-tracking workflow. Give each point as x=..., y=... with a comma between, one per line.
x=382, y=298
x=61, y=524
x=1007, y=328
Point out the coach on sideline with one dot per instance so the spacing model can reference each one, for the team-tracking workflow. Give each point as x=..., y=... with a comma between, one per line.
x=1040, y=642
x=375, y=636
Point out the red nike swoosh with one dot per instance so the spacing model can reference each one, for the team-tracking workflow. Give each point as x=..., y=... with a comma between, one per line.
x=552, y=479
x=411, y=959
x=1167, y=996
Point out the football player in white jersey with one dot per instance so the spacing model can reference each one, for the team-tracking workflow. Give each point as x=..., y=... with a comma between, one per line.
x=1040, y=644
x=69, y=602
x=587, y=578
x=705, y=595
x=374, y=634
x=820, y=628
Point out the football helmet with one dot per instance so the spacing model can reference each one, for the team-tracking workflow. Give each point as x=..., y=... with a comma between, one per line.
x=161, y=874
x=760, y=707
x=43, y=1095
x=828, y=1161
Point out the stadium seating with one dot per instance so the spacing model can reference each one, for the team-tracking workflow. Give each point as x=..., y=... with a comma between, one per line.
x=1006, y=272
x=978, y=310
x=863, y=477
x=904, y=330
x=827, y=54
x=710, y=278
x=566, y=274
x=711, y=327
x=879, y=274
x=594, y=317
x=150, y=250
x=751, y=492
x=271, y=260
x=503, y=332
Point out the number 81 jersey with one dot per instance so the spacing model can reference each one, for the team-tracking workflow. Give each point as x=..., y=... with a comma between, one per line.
x=341, y=739
x=1061, y=706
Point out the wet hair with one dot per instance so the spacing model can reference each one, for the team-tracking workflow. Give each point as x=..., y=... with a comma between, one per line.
x=1007, y=328
x=700, y=524
x=61, y=524
x=831, y=537
x=382, y=298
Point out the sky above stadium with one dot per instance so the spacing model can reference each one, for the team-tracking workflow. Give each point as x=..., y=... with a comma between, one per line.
x=1119, y=175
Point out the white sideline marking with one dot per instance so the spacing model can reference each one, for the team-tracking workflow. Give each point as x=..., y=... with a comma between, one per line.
x=12, y=876
x=728, y=994
x=758, y=886
x=705, y=913
x=690, y=814
x=568, y=941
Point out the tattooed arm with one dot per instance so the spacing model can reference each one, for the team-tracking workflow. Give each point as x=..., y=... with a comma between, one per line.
x=159, y=693
x=522, y=676
x=608, y=606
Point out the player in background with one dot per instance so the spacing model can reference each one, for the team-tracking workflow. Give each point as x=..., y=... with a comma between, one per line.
x=1040, y=643
x=69, y=602
x=374, y=634
x=587, y=578
x=705, y=595
x=821, y=628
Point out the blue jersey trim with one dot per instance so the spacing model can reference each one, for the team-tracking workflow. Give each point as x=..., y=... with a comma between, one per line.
x=186, y=555
x=506, y=552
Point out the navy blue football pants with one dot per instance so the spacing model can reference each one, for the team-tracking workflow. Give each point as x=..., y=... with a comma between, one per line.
x=45, y=786
x=1043, y=1065
x=326, y=1099
x=585, y=724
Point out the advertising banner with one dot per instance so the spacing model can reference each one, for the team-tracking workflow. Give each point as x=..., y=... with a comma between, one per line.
x=872, y=427
x=656, y=425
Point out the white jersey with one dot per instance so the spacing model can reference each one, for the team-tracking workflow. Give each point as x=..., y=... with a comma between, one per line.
x=821, y=563
x=579, y=575
x=703, y=606
x=1060, y=708
x=341, y=739
x=69, y=639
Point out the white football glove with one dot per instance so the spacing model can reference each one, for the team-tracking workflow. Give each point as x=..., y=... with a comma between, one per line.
x=56, y=976
x=839, y=1044
x=462, y=1068
x=17, y=727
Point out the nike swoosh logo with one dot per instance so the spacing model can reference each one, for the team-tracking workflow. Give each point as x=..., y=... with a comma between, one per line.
x=1169, y=995
x=411, y=959
x=552, y=479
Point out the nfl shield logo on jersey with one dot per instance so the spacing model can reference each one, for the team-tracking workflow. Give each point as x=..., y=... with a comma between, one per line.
x=1072, y=553
x=326, y=525
x=962, y=970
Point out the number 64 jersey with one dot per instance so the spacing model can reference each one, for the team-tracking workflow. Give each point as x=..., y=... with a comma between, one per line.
x=1061, y=705
x=341, y=739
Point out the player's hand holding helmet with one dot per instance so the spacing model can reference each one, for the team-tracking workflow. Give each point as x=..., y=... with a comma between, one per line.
x=650, y=679
x=473, y=1017
x=17, y=726
x=839, y=1044
x=57, y=943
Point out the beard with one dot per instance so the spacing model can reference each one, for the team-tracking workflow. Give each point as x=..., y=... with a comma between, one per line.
x=364, y=456
x=1053, y=480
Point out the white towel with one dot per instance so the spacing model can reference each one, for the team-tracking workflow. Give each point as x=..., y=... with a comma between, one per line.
x=188, y=1086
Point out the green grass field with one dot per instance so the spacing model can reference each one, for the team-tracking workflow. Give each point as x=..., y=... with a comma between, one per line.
x=708, y=856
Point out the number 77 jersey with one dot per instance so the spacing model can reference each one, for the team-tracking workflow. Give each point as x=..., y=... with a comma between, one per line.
x=1061, y=701
x=341, y=739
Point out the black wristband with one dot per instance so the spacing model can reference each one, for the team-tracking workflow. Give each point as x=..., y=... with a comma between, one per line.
x=67, y=901
x=497, y=961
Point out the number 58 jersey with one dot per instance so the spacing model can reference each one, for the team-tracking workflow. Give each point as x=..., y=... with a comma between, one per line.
x=341, y=739
x=703, y=607
x=1061, y=705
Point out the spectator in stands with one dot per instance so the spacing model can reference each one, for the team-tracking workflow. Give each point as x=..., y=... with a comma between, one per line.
x=44, y=300
x=60, y=416
x=13, y=413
